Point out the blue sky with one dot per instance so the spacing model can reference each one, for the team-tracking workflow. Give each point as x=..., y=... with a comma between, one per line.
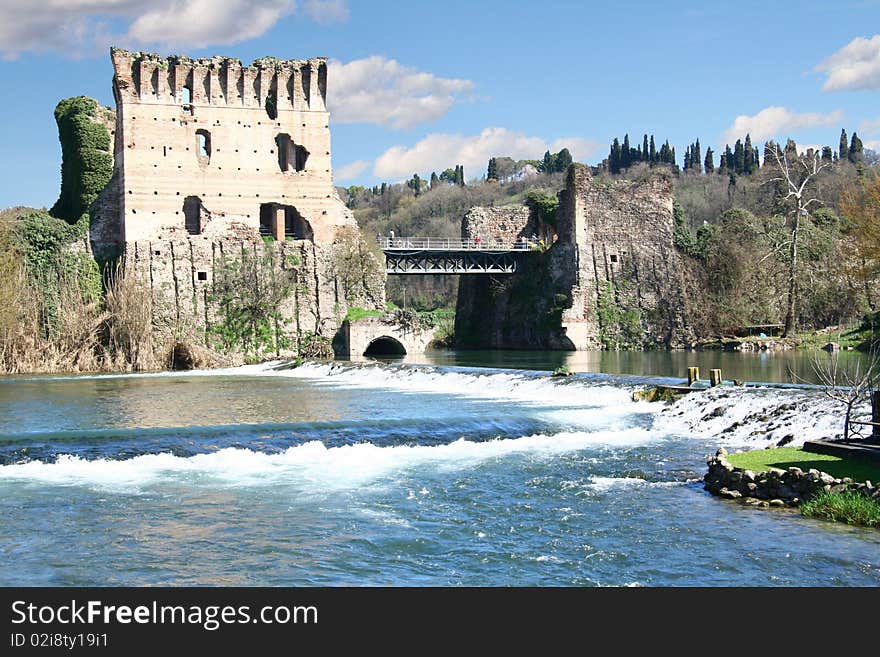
x=417, y=86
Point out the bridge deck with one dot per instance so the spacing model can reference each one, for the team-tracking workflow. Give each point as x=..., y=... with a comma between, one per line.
x=442, y=255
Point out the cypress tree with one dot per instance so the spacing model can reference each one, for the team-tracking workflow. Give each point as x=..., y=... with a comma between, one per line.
x=739, y=158
x=614, y=158
x=709, y=164
x=697, y=163
x=844, y=147
x=547, y=163
x=563, y=160
x=383, y=189
x=856, y=150
x=492, y=170
x=645, y=147
x=827, y=154
x=687, y=158
x=459, y=175
x=626, y=151
x=672, y=156
x=748, y=155
x=652, y=154
x=434, y=179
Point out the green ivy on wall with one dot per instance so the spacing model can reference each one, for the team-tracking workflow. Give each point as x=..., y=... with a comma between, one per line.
x=86, y=157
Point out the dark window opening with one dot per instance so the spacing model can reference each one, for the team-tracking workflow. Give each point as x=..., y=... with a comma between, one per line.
x=203, y=145
x=202, y=275
x=613, y=258
x=296, y=226
x=385, y=347
x=291, y=156
x=192, y=215
x=271, y=105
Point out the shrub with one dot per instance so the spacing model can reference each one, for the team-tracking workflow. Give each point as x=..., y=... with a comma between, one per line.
x=850, y=507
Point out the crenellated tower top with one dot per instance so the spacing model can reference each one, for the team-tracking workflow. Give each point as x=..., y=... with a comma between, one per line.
x=285, y=84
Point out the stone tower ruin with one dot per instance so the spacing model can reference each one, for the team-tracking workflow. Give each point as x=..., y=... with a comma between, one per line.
x=212, y=157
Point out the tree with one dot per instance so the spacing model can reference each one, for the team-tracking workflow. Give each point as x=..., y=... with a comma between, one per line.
x=652, y=153
x=449, y=175
x=861, y=205
x=506, y=167
x=709, y=164
x=856, y=150
x=459, y=175
x=563, y=160
x=492, y=170
x=847, y=384
x=434, y=179
x=749, y=155
x=843, y=152
x=547, y=163
x=798, y=175
x=739, y=157
x=249, y=293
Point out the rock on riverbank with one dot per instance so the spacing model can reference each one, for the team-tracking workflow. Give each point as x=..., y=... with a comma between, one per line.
x=775, y=487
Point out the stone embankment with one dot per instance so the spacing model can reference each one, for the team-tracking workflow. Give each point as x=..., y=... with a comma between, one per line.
x=775, y=487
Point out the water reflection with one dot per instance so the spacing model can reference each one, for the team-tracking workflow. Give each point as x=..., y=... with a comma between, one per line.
x=776, y=367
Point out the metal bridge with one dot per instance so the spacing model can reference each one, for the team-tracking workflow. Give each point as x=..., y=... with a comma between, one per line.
x=444, y=255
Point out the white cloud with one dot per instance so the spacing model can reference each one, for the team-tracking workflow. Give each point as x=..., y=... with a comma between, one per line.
x=776, y=121
x=870, y=127
x=438, y=151
x=874, y=145
x=382, y=91
x=199, y=23
x=855, y=66
x=327, y=11
x=77, y=27
x=350, y=170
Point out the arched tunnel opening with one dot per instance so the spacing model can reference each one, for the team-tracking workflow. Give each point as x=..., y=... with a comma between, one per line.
x=385, y=347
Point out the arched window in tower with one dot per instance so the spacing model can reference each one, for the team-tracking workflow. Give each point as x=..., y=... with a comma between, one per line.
x=291, y=156
x=186, y=94
x=203, y=146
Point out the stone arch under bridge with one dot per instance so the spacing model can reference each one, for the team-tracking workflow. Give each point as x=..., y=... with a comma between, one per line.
x=374, y=336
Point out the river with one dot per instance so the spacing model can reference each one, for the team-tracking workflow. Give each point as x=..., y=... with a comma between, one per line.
x=448, y=469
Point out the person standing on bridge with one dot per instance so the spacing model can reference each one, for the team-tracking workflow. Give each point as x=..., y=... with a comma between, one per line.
x=391, y=238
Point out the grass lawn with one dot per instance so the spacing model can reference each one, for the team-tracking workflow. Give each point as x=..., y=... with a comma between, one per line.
x=786, y=457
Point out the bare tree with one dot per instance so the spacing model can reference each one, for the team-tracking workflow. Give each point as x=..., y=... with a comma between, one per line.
x=796, y=172
x=847, y=384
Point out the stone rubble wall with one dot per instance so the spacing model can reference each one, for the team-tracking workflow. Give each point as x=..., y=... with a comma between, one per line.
x=608, y=232
x=775, y=487
x=504, y=225
x=180, y=274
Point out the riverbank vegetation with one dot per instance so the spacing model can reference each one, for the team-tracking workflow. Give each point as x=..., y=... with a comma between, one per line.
x=759, y=460
x=855, y=507
x=772, y=235
x=847, y=506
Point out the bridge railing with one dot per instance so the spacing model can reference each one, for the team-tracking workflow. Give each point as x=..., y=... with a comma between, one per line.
x=451, y=244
